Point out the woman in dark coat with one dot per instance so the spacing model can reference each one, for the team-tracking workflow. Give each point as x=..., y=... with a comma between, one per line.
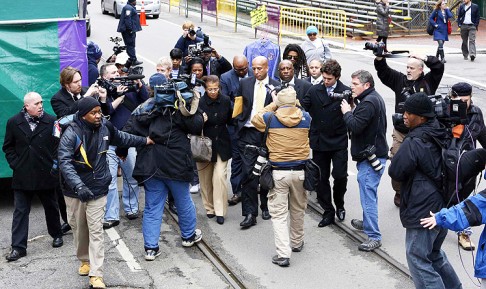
x=439, y=19
x=213, y=175
x=382, y=25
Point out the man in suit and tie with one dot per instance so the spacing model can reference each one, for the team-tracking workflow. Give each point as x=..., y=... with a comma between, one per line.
x=230, y=81
x=329, y=140
x=287, y=77
x=30, y=150
x=252, y=96
x=315, y=72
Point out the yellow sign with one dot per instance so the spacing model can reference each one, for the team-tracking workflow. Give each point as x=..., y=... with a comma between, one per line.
x=259, y=16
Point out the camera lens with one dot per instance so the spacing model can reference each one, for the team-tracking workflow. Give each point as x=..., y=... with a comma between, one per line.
x=375, y=162
x=192, y=32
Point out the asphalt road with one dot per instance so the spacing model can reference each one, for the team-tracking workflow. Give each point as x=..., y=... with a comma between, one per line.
x=330, y=258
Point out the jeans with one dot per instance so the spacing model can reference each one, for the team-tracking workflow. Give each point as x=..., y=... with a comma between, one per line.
x=368, y=180
x=155, y=194
x=428, y=264
x=130, y=185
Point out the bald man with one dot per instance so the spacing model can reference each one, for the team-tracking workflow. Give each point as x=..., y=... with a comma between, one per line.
x=251, y=97
x=229, y=86
x=287, y=78
x=414, y=81
x=30, y=149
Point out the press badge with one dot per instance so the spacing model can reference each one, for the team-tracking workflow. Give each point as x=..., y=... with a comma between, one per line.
x=127, y=12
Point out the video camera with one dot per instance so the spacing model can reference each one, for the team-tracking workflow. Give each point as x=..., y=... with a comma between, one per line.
x=112, y=84
x=377, y=48
x=449, y=112
x=196, y=50
x=339, y=96
x=117, y=49
x=132, y=70
x=278, y=88
x=165, y=94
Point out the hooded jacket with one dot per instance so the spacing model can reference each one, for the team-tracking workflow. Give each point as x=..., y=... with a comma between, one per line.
x=417, y=165
x=94, y=173
x=288, y=134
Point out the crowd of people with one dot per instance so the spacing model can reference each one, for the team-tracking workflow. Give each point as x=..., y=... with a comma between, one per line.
x=303, y=112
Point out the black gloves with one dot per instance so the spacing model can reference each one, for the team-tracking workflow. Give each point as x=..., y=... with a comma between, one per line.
x=84, y=194
x=121, y=152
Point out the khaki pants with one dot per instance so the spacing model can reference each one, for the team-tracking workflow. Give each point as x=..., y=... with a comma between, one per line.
x=288, y=194
x=214, y=187
x=86, y=220
x=397, y=142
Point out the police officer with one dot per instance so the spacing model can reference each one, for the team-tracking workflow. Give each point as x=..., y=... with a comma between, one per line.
x=128, y=26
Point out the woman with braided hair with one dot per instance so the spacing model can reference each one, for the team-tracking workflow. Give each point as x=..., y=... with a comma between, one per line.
x=296, y=55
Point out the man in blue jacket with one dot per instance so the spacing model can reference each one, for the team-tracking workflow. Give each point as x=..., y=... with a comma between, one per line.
x=128, y=26
x=468, y=21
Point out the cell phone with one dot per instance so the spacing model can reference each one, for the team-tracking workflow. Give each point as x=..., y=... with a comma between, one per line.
x=193, y=79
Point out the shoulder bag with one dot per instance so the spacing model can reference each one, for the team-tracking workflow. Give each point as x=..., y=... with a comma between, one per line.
x=266, y=176
x=201, y=148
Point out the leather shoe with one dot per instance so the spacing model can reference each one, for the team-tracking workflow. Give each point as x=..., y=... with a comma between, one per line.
x=57, y=242
x=249, y=221
x=220, y=220
x=326, y=221
x=341, y=214
x=15, y=255
x=266, y=215
x=110, y=224
x=234, y=200
x=65, y=228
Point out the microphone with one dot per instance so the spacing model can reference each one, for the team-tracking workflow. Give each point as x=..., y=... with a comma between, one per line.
x=130, y=77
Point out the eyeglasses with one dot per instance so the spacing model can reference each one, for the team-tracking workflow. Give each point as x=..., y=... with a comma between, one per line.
x=312, y=34
x=292, y=57
x=212, y=89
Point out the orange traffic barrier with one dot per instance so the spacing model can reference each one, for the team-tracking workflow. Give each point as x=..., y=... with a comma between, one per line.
x=143, y=17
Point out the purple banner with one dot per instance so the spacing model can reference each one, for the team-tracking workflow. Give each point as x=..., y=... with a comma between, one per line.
x=72, y=46
x=208, y=7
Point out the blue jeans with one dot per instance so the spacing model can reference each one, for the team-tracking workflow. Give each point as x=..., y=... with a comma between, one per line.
x=155, y=195
x=368, y=180
x=130, y=185
x=428, y=264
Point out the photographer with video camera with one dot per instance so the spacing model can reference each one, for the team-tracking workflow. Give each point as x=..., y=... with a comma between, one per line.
x=188, y=37
x=214, y=63
x=403, y=85
x=329, y=139
x=417, y=165
x=119, y=106
x=367, y=125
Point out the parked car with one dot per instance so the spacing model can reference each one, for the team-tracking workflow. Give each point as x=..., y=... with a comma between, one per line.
x=152, y=7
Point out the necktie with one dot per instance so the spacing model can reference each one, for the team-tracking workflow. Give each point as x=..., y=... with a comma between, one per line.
x=329, y=90
x=260, y=96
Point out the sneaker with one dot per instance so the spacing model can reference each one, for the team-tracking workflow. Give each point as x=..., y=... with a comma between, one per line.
x=132, y=216
x=194, y=189
x=111, y=223
x=96, y=282
x=357, y=224
x=473, y=57
x=151, y=254
x=369, y=245
x=465, y=242
x=299, y=248
x=84, y=269
x=196, y=237
x=282, y=262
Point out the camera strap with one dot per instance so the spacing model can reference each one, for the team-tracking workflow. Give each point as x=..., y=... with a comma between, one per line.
x=265, y=134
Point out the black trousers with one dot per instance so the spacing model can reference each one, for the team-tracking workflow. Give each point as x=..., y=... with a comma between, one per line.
x=20, y=222
x=62, y=204
x=339, y=159
x=249, y=182
x=129, y=40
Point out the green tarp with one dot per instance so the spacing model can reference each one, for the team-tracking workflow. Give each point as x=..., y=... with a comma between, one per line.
x=35, y=9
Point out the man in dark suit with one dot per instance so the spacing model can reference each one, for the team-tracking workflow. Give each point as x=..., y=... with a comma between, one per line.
x=329, y=140
x=252, y=96
x=287, y=77
x=30, y=150
x=65, y=102
x=468, y=21
x=315, y=72
x=230, y=81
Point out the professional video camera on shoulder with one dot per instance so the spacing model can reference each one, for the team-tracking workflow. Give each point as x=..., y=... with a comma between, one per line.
x=167, y=94
x=377, y=48
x=196, y=50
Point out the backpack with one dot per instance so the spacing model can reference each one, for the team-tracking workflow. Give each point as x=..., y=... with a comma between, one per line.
x=459, y=169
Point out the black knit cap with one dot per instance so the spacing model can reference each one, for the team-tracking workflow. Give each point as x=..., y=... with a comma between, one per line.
x=419, y=104
x=461, y=89
x=131, y=1
x=86, y=104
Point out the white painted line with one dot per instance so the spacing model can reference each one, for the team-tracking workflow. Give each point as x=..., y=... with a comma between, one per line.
x=123, y=250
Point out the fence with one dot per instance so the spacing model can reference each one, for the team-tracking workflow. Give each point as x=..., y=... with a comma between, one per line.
x=330, y=23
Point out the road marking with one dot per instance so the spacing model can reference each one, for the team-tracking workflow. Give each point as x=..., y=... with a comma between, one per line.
x=123, y=250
